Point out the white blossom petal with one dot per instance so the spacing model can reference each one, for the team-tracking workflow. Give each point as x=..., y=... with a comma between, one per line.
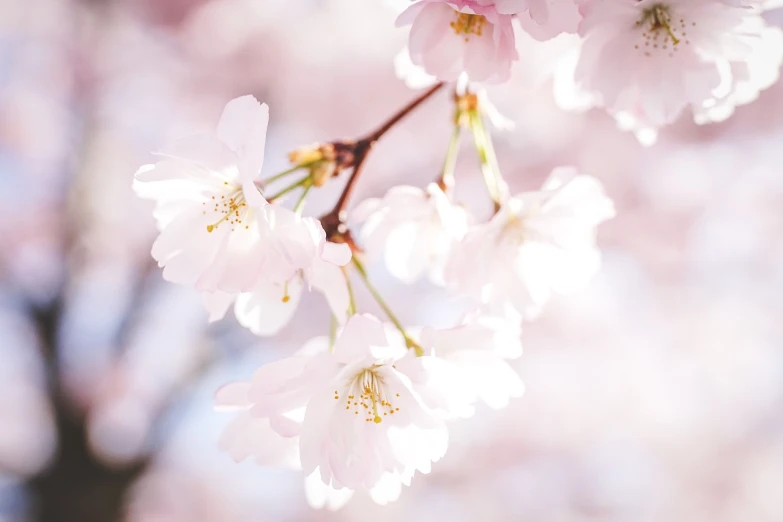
x=269, y=307
x=242, y=128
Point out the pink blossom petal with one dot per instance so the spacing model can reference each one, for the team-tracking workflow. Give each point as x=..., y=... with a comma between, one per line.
x=361, y=333
x=320, y=495
x=233, y=396
x=336, y=253
x=243, y=128
x=253, y=195
x=266, y=310
x=247, y=436
x=329, y=279
x=285, y=426
x=185, y=248
x=207, y=151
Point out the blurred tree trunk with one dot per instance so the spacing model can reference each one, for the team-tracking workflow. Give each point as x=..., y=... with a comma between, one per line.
x=76, y=487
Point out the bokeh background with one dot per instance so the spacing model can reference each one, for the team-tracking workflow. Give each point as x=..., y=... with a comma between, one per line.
x=656, y=394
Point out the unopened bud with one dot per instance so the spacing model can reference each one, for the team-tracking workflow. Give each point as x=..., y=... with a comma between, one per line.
x=305, y=155
x=320, y=160
x=322, y=171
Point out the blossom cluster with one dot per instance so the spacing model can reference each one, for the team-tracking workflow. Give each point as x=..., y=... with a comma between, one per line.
x=368, y=406
x=646, y=62
x=367, y=409
x=220, y=234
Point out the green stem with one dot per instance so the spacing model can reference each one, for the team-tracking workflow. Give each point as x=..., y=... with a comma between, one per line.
x=351, y=298
x=289, y=188
x=300, y=203
x=286, y=172
x=410, y=343
x=489, y=163
x=447, y=176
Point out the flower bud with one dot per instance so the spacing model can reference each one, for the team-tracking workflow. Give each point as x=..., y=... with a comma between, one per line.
x=323, y=161
x=305, y=155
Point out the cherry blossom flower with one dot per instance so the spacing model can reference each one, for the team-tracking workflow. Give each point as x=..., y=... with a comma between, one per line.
x=481, y=348
x=376, y=422
x=648, y=61
x=249, y=436
x=217, y=232
x=451, y=37
x=363, y=418
x=538, y=242
x=414, y=228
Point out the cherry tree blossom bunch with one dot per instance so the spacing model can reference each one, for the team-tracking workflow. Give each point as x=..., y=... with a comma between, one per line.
x=368, y=405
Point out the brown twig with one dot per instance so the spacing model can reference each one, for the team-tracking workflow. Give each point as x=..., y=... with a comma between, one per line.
x=333, y=221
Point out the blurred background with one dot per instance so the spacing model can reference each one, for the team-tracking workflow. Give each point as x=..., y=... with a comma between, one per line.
x=655, y=394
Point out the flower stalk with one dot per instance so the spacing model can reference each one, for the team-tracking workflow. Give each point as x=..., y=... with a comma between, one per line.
x=286, y=172
x=351, y=297
x=303, y=182
x=446, y=180
x=487, y=159
x=299, y=207
x=409, y=342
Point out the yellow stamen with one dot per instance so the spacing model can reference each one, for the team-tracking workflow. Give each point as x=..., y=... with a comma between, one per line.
x=658, y=18
x=368, y=394
x=230, y=209
x=468, y=24
x=286, y=297
x=377, y=417
x=661, y=19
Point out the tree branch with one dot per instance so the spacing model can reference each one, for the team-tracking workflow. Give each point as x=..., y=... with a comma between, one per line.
x=333, y=221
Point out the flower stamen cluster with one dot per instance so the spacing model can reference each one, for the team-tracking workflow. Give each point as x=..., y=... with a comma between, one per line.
x=232, y=210
x=656, y=21
x=367, y=391
x=468, y=24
